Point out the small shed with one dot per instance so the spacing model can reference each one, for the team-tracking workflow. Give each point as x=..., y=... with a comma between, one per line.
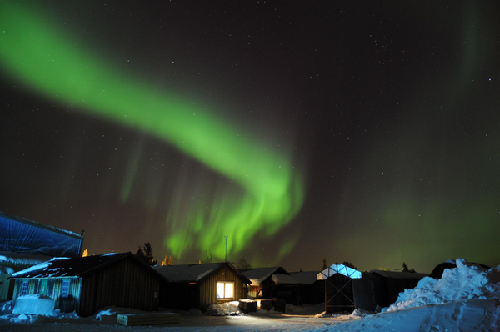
x=87, y=284
x=338, y=287
x=381, y=288
x=200, y=285
x=262, y=285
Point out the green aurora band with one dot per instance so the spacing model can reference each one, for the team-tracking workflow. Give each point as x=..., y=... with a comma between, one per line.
x=39, y=56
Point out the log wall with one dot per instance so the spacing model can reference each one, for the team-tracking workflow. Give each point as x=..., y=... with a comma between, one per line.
x=125, y=283
x=52, y=287
x=208, y=287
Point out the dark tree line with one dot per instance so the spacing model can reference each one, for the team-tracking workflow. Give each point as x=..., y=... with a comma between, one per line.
x=145, y=254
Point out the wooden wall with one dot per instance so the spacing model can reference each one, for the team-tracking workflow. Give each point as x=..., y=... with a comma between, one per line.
x=52, y=287
x=125, y=283
x=208, y=287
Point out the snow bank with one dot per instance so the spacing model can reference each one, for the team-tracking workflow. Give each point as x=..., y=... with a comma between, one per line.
x=33, y=304
x=230, y=308
x=470, y=315
x=463, y=283
x=465, y=298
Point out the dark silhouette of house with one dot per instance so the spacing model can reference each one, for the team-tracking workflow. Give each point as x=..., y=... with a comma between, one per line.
x=200, y=285
x=380, y=288
x=87, y=284
x=262, y=286
x=437, y=272
x=310, y=289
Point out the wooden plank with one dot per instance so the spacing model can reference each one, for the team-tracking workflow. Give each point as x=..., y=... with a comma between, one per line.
x=148, y=319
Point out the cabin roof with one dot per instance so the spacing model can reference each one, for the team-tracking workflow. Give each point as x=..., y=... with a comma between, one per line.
x=257, y=276
x=399, y=275
x=284, y=279
x=77, y=267
x=193, y=272
x=305, y=277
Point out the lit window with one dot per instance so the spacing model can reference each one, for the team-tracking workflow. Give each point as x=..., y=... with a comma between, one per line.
x=225, y=290
x=24, y=288
x=65, y=289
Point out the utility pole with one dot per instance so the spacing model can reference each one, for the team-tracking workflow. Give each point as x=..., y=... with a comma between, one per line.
x=225, y=236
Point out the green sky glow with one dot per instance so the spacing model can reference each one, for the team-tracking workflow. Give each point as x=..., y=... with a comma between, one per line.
x=36, y=54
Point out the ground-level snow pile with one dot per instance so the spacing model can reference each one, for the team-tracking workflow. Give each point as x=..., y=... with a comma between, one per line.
x=463, y=283
x=469, y=315
x=230, y=308
x=33, y=304
x=466, y=298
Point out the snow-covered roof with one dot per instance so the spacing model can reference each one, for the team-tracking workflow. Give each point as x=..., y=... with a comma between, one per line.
x=23, y=258
x=257, y=276
x=284, y=279
x=305, y=277
x=74, y=267
x=339, y=269
x=191, y=272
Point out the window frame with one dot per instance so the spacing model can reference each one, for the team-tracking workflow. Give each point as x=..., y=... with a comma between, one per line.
x=225, y=284
x=65, y=290
x=24, y=288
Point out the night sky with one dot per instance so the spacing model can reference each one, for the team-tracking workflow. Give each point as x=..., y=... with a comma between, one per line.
x=366, y=132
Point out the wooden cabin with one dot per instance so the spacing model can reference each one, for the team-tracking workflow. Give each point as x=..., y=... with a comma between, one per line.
x=87, y=284
x=200, y=285
x=262, y=286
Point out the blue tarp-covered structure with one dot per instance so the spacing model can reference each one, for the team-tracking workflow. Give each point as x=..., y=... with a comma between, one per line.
x=25, y=236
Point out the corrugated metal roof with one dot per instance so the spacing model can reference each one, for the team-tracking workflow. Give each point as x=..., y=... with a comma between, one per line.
x=42, y=226
x=191, y=272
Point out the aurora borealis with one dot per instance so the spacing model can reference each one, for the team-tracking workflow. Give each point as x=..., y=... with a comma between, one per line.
x=298, y=131
x=272, y=192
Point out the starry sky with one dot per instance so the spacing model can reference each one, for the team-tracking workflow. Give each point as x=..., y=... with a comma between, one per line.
x=365, y=132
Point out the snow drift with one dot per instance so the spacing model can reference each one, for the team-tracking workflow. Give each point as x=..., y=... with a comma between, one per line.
x=466, y=282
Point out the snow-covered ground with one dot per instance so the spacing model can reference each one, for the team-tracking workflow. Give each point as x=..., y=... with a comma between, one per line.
x=465, y=299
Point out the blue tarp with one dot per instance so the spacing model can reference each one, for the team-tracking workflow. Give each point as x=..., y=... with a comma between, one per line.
x=26, y=236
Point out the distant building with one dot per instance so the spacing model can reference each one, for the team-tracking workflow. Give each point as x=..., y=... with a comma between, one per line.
x=200, y=285
x=87, y=284
x=381, y=288
x=311, y=290
x=262, y=285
